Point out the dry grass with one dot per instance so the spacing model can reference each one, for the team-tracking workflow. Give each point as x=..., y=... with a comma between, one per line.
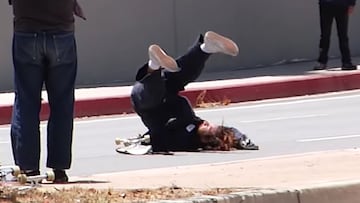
x=204, y=101
x=82, y=195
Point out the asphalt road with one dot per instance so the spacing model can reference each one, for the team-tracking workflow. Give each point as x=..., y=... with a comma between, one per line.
x=279, y=127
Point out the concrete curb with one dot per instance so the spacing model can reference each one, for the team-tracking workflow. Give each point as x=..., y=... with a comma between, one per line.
x=332, y=193
x=233, y=91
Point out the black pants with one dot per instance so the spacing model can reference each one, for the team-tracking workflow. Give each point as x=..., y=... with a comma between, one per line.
x=155, y=96
x=327, y=14
x=150, y=90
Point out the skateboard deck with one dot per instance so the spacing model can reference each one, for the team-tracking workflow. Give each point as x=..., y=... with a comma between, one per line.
x=139, y=145
x=135, y=149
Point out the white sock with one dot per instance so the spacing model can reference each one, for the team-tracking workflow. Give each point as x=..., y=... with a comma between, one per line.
x=206, y=49
x=153, y=65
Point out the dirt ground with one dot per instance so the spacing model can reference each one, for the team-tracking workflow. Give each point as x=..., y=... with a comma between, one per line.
x=80, y=195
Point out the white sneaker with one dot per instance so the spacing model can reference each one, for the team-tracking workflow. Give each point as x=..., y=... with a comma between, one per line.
x=219, y=44
x=158, y=56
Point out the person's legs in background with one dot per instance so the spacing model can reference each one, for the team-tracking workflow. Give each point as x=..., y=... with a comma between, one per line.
x=326, y=20
x=342, y=22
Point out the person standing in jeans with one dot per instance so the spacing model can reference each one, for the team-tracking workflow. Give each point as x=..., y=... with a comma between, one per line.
x=340, y=11
x=44, y=53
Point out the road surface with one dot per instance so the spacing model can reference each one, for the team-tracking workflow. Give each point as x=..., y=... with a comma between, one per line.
x=280, y=127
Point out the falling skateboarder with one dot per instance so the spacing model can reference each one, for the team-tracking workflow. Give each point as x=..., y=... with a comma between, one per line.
x=171, y=122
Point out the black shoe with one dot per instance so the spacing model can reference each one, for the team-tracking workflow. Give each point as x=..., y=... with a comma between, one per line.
x=348, y=66
x=320, y=66
x=30, y=172
x=60, y=176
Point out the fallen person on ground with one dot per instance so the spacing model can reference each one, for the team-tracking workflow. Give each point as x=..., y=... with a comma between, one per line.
x=172, y=124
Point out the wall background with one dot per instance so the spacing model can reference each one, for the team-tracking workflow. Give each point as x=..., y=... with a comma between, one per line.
x=113, y=42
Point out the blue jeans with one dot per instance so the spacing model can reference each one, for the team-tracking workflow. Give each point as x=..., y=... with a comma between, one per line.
x=48, y=58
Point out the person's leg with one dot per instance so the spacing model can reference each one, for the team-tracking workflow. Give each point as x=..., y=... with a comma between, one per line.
x=28, y=79
x=326, y=19
x=342, y=21
x=60, y=84
x=192, y=63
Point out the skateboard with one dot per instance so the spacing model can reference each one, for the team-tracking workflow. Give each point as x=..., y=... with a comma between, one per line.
x=139, y=145
x=26, y=183
x=35, y=180
x=145, y=139
x=8, y=170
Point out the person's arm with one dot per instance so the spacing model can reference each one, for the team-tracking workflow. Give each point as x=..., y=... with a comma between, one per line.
x=351, y=7
x=351, y=10
x=78, y=11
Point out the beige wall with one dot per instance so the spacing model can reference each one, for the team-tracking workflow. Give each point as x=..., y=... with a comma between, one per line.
x=113, y=42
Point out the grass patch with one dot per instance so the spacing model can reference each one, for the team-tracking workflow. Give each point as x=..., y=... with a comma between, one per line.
x=91, y=195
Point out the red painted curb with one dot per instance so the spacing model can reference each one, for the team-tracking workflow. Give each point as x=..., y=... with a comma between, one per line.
x=313, y=84
x=294, y=86
x=5, y=114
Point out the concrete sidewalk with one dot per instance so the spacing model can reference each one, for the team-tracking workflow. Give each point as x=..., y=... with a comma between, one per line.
x=319, y=177
x=278, y=172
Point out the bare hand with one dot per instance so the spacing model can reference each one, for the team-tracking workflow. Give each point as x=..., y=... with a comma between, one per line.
x=78, y=11
x=350, y=10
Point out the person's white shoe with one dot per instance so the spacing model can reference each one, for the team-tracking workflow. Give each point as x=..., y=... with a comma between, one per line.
x=216, y=43
x=158, y=56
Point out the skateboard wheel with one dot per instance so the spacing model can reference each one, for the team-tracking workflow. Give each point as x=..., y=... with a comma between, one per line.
x=50, y=176
x=15, y=171
x=117, y=141
x=21, y=178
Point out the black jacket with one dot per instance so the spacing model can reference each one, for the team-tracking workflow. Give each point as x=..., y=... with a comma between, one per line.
x=178, y=131
x=40, y=15
x=170, y=119
x=338, y=2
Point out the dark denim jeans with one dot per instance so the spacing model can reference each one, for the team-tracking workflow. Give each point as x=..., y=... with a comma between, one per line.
x=48, y=58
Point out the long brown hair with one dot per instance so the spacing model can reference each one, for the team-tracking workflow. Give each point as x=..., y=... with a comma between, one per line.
x=223, y=139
